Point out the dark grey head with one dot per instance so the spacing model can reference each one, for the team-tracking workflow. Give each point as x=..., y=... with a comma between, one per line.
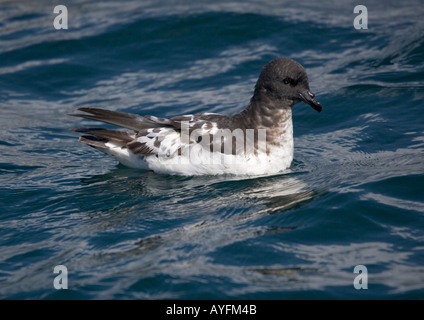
x=285, y=81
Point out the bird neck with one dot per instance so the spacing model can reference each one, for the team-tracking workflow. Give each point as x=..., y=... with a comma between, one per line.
x=266, y=113
x=276, y=120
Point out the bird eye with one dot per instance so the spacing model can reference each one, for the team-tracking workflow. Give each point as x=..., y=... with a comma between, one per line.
x=290, y=81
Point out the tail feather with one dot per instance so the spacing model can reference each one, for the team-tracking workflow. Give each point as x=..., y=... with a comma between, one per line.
x=122, y=119
x=121, y=137
x=94, y=141
x=125, y=146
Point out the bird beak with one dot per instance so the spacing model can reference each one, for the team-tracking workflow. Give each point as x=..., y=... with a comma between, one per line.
x=308, y=97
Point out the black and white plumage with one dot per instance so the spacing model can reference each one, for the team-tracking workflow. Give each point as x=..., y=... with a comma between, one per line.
x=258, y=140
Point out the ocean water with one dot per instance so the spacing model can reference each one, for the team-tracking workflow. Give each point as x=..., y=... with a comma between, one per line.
x=353, y=196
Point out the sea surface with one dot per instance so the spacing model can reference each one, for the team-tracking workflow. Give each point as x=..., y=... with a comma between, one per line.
x=354, y=195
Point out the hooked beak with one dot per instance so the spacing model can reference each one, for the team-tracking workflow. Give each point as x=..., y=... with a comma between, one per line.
x=308, y=97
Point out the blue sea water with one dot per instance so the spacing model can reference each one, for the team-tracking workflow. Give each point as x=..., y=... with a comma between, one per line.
x=353, y=196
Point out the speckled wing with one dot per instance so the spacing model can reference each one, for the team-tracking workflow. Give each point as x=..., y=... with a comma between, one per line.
x=150, y=136
x=173, y=139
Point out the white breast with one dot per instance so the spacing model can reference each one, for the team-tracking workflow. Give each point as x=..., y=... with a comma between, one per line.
x=197, y=160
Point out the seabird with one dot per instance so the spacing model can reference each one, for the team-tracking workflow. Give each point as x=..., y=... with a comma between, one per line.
x=256, y=141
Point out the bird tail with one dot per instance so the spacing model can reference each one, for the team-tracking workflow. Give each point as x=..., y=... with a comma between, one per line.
x=122, y=119
x=98, y=137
